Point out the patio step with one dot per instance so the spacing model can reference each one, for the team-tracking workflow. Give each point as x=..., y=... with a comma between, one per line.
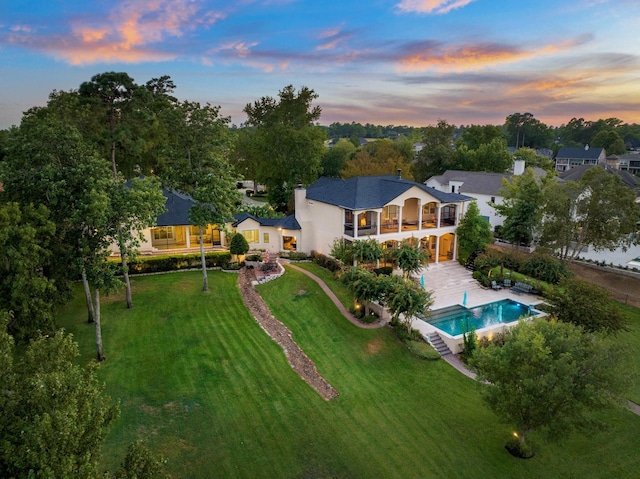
x=438, y=344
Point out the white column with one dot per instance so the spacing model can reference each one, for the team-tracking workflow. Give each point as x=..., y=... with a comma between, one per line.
x=419, y=215
x=437, y=248
x=188, y=235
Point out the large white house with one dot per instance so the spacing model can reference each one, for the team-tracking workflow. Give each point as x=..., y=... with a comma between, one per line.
x=386, y=208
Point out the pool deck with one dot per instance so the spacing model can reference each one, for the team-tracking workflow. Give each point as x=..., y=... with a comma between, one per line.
x=450, y=281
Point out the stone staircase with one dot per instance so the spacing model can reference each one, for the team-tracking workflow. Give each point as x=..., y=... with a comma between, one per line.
x=438, y=344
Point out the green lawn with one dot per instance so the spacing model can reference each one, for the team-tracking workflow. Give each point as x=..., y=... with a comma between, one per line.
x=632, y=339
x=199, y=379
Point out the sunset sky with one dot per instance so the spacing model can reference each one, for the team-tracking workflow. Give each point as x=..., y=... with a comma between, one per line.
x=402, y=62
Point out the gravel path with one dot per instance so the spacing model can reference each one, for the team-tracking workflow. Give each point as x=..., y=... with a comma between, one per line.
x=298, y=360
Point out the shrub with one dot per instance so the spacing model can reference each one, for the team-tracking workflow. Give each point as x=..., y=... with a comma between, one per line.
x=158, y=264
x=546, y=268
x=238, y=245
x=326, y=262
x=253, y=257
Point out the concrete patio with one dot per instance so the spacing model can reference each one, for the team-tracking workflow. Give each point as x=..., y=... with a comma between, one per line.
x=451, y=282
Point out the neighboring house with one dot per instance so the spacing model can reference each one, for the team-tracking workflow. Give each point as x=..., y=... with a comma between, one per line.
x=386, y=208
x=483, y=186
x=570, y=157
x=628, y=180
x=269, y=234
x=628, y=162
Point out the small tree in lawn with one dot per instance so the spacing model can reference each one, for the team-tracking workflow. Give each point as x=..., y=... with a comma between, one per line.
x=366, y=251
x=364, y=285
x=342, y=251
x=566, y=377
x=410, y=257
x=405, y=298
x=238, y=246
x=474, y=233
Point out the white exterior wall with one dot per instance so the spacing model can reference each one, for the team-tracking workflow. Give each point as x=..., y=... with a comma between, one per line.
x=275, y=235
x=486, y=210
x=321, y=223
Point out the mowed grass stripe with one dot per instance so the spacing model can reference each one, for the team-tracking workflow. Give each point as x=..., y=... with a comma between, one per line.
x=227, y=404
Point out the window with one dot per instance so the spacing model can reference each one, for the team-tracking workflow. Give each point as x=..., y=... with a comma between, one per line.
x=265, y=238
x=163, y=232
x=252, y=236
x=390, y=212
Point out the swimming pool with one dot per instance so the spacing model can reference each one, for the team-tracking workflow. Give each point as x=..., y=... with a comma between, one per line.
x=450, y=320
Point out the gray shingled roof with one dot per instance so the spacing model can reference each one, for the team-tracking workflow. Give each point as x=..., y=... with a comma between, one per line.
x=579, y=153
x=178, y=206
x=368, y=192
x=629, y=180
x=476, y=182
x=287, y=223
x=479, y=182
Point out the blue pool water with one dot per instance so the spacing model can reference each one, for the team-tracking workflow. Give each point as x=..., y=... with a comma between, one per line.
x=450, y=320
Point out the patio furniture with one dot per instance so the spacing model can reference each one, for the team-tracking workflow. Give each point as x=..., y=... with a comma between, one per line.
x=520, y=287
x=495, y=285
x=507, y=283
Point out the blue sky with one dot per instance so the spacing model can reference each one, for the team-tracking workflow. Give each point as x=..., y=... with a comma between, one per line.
x=402, y=62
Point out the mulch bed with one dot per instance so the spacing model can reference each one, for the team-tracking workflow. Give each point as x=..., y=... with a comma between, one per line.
x=298, y=360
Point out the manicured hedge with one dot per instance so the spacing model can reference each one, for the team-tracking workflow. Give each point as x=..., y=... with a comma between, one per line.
x=157, y=264
x=325, y=261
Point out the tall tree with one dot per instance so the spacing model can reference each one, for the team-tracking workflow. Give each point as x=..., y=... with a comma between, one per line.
x=567, y=376
x=49, y=161
x=381, y=157
x=611, y=141
x=523, y=129
x=134, y=206
x=474, y=136
x=474, y=233
x=334, y=158
x=437, y=154
x=54, y=413
x=25, y=245
x=197, y=164
x=111, y=95
x=598, y=212
x=522, y=207
x=289, y=142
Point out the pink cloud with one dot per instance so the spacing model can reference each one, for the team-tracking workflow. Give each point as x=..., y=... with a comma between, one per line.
x=431, y=6
x=127, y=34
x=422, y=57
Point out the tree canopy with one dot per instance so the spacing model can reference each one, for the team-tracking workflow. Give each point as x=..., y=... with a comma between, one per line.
x=474, y=232
x=597, y=212
x=288, y=144
x=586, y=305
x=566, y=377
x=54, y=413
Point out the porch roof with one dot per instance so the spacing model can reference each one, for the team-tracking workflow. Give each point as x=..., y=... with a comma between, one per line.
x=370, y=192
x=286, y=223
